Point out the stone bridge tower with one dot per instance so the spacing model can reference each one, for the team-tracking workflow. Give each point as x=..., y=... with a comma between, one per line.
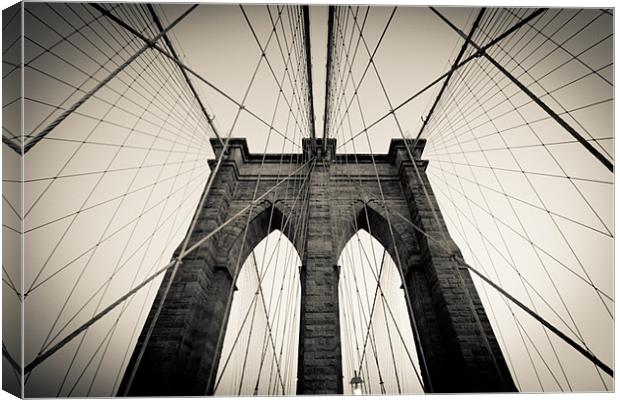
x=337, y=195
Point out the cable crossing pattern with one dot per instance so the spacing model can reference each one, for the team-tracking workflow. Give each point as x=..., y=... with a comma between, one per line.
x=135, y=114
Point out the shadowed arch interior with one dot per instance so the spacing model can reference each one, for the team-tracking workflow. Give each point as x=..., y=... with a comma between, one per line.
x=371, y=217
x=320, y=211
x=192, y=359
x=265, y=218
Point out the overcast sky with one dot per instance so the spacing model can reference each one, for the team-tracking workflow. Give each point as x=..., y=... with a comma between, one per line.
x=111, y=191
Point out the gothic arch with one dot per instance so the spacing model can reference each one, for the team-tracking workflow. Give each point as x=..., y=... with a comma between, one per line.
x=237, y=243
x=182, y=356
x=402, y=245
x=395, y=237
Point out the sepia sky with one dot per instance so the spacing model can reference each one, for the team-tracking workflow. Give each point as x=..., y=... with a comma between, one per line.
x=109, y=193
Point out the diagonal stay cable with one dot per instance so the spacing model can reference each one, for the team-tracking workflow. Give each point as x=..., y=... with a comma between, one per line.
x=14, y=364
x=387, y=325
x=559, y=230
x=451, y=142
x=368, y=331
x=250, y=331
x=183, y=72
x=447, y=80
x=220, y=339
x=434, y=213
x=125, y=45
x=507, y=33
x=84, y=202
x=377, y=274
x=569, y=53
x=590, y=356
x=113, y=105
x=299, y=110
x=513, y=197
x=370, y=62
x=100, y=178
x=531, y=302
x=382, y=293
x=544, y=251
x=10, y=283
x=517, y=52
x=149, y=43
x=100, y=121
x=414, y=326
x=548, y=93
x=52, y=46
x=138, y=87
x=480, y=14
x=38, y=360
x=182, y=65
x=11, y=207
x=133, y=147
x=354, y=316
x=262, y=275
x=145, y=242
x=268, y=322
x=163, y=68
x=250, y=207
x=117, y=265
x=287, y=261
x=263, y=50
x=177, y=262
x=172, y=232
x=608, y=164
x=409, y=222
x=111, y=170
x=553, y=157
x=398, y=263
x=288, y=219
x=485, y=240
x=391, y=313
x=107, y=201
x=513, y=41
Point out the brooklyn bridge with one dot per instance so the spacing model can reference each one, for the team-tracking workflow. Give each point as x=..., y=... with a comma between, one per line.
x=286, y=199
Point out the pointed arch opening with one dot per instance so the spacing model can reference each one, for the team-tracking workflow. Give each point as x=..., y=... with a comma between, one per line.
x=261, y=340
x=379, y=353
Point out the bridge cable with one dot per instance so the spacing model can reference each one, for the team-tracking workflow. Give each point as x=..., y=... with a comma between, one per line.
x=38, y=360
x=543, y=203
x=465, y=288
x=103, y=83
x=243, y=242
x=362, y=117
x=536, y=99
x=189, y=70
x=115, y=269
x=525, y=288
x=187, y=79
x=506, y=33
x=356, y=161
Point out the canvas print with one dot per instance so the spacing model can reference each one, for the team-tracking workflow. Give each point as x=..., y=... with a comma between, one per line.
x=290, y=199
